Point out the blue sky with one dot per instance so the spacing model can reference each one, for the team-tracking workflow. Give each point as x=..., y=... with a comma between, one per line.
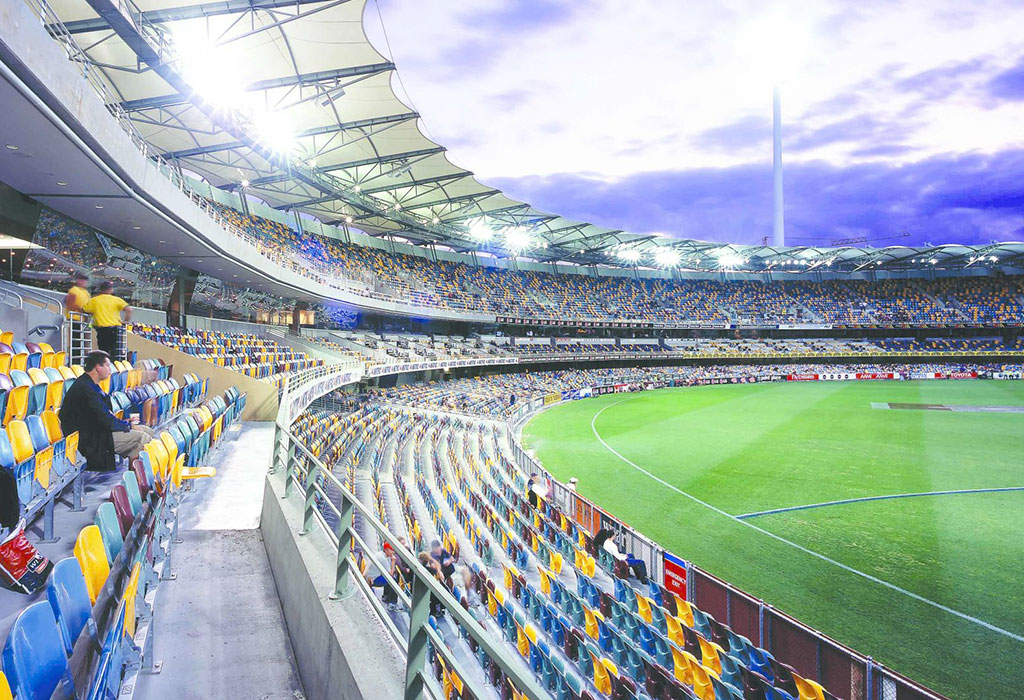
x=654, y=116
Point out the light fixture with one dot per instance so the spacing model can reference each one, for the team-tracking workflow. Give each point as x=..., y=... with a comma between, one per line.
x=163, y=241
x=480, y=231
x=666, y=257
x=436, y=220
x=245, y=184
x=517, y=238
x=11, y=147
x=136, y=227
x=348, y=219
x=630, y=255
x=274, y=132
x=729, y=259
x=99, y=206
x=61, y=183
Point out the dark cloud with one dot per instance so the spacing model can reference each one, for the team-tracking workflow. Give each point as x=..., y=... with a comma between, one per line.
x=1009, y=85
x=948, y=199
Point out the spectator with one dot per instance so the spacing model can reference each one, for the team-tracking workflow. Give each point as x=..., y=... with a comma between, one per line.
x=78, y=296
x=473, y=600
x=538, y=490
x=106, y=310
x=87, y=409
x=386, y=562
x=605, y=539
x=444, y=559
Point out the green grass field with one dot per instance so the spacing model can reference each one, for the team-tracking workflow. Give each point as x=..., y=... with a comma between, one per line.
x=750, y=448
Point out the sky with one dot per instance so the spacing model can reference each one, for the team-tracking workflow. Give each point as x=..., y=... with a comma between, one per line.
x=902, y=122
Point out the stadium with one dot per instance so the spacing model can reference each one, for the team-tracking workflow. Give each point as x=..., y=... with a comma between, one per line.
x=296, y=407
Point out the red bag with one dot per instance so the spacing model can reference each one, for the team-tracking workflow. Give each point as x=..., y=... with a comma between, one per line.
x=22, y=567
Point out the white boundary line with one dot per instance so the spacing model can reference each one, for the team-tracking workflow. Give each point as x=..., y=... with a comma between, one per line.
x=745, y=523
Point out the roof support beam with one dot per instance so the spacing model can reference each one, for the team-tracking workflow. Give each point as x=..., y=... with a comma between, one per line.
x=272, y=83
x=358, y=163
x=517, y=207
x=316, y=131
x=383, y=188
x=171, y=14
x=483, y=194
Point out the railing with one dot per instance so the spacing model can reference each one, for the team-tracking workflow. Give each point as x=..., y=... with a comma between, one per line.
x=325, y=499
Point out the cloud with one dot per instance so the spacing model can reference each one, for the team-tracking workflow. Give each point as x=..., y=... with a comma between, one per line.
x=943, y=81
x=1009, y=85
x=514, y=16
x=861, y=128
x=750, y=132
x=964, y=199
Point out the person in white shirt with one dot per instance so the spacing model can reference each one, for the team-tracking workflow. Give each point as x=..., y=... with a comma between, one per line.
x=538, y=490
x=605, y=539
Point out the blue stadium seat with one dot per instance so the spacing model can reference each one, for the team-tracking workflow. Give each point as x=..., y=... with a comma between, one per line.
x=34, y=657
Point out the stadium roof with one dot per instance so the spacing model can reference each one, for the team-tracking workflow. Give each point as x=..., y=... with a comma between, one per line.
x=289, y=99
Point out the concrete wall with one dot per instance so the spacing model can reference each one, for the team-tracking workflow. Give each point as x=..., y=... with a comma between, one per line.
x=341, y=647
x=261, y=403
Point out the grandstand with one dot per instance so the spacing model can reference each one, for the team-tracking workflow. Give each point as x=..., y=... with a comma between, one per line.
x=337, y=347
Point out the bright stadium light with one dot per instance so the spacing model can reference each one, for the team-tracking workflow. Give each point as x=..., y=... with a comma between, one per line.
x=517, y=238
x=215, y=73
x=666, y=257
x=729, y=259
x=480, y=231
x=630, y=255
x=273, y=131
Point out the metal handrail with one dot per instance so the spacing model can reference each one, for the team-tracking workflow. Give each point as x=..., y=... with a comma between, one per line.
x=302, y=468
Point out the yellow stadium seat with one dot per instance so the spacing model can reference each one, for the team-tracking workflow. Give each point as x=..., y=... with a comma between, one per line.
x=78, y=370
x=709, y=656
x=808, y=689
x=58, y=359
x=170, y=445
x=643, y=606
x=45, y=347
x=17, y=404
x=182, y=473
x=20, y=361
x=130, y=592
x=93, y=559
x=522, y=642
x=5, y=362
x=591, y=620
x=674, y=627
x=21, y=441
x=5, y=688
x=7, y=337
x=52, y=424
x=38, y=376
x=105, y=385
x=684, y=611
x=602, y=681
x=54, y=396
x=66, y=372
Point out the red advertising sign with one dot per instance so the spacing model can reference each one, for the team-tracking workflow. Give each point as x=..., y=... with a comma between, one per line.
x=963, y=375
x=802, y=377
x=875, y=375
x=675, y=575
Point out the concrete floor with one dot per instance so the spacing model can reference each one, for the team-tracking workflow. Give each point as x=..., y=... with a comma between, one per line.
x=220, y=632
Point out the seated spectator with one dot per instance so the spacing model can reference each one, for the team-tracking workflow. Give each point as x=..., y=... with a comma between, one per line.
x=87, y=409
x=606, y=539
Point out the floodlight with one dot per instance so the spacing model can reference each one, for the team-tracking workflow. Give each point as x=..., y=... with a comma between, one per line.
x=215, y=73
x=517, y=238
x=274, y=132
x=666, y=257
x=245, y=183
x=630, y=255
x=479, y=231
x=727, y=258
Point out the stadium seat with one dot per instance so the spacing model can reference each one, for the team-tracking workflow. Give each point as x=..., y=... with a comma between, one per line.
x=92, y=557
x=69, y=599
x=34, y=657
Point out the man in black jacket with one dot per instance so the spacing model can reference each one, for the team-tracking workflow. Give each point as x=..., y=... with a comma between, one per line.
x=87, y=409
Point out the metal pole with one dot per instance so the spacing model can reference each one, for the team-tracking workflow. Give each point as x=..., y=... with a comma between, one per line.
x=778, y=230
x=341, y=585
x=419, y=616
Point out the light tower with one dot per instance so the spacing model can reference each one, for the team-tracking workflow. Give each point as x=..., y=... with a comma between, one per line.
x=778, y=224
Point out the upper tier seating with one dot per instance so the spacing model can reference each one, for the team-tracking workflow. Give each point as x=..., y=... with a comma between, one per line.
x=447, y=285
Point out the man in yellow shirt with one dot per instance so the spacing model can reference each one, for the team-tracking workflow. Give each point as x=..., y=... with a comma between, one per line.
x=106, y=310
x=78, y=295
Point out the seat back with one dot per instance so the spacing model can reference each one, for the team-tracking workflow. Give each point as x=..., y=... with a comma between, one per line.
x=122, y=506
x=37, y=376
x=110, y=529
x=54, y=395
x=37, y=432
x=20, y=378
x=170, y=445
x=34, y=659
x=69, y=599
x=17, y=404
x=131, y=485
x=21, y=441
x=92, y=557
x=140, y=476
x=36, y=399
x=52, y=424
